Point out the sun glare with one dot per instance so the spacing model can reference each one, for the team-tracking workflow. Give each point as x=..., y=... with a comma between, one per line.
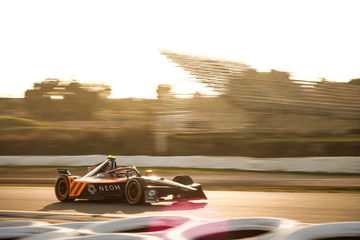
x=117, y=42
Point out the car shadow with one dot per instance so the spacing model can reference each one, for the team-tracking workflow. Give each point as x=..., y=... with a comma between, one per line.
x=116, y=207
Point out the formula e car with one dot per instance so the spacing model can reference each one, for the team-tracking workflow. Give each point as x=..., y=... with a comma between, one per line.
x=126, y=183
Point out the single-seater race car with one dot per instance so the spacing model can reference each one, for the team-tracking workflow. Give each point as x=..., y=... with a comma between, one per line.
x=106, y=180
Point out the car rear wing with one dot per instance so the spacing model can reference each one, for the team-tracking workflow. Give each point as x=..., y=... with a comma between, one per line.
x=63, y=172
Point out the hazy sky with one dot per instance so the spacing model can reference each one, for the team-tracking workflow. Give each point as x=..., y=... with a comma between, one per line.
x=117, y=42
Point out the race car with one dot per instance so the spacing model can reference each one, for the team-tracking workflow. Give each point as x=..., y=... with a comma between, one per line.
x=106, y=180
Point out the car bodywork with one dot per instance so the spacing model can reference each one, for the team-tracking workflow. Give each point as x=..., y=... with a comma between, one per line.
x=125, y=183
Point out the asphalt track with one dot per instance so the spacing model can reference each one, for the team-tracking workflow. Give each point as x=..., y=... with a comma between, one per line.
x=305, y=207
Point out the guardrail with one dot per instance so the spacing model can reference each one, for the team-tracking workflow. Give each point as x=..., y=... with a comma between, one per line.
x=295, y=164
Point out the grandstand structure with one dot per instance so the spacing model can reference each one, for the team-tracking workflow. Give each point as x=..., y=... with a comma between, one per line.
x=269, y=101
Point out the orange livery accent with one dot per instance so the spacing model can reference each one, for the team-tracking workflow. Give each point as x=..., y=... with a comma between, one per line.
x=80, y=189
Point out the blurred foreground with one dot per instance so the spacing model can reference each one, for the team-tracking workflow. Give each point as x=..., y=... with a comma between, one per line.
x=176, y=227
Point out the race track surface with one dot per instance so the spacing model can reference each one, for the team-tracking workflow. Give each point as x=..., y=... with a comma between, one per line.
x=305, y=207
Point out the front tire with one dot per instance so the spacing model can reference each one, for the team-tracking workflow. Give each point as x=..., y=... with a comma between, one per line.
x=134, y=191
x=62, y=190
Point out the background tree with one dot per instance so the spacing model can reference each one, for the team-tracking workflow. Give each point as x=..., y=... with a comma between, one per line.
x=164, y=92
x=58, y=100
x=355, y=81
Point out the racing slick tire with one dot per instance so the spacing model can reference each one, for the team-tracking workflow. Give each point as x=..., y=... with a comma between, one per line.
x=62, y=190
x=183, y=179
x=134, y=191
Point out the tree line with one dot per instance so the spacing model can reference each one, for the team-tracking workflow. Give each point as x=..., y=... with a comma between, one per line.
x=59, y=100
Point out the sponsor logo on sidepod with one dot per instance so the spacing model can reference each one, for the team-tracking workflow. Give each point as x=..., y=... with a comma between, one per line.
x=91, y=188
x=102, y=188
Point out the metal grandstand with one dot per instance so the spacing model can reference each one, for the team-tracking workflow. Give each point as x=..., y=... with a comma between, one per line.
x=272, y=91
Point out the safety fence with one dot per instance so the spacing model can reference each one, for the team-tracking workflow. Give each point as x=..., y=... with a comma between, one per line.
x=180, y=228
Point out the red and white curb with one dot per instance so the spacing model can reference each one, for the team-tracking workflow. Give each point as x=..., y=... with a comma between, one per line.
x=179, y=228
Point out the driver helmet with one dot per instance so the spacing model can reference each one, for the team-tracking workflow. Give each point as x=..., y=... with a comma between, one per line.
x=111, y=157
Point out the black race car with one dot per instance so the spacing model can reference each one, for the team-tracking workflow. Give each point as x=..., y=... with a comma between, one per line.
x=106, y=180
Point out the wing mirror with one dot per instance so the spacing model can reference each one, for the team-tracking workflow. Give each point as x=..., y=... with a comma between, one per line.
x=148, y=172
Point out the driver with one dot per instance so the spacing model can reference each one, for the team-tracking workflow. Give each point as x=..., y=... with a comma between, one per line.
x=112, y=162
x=111, y=165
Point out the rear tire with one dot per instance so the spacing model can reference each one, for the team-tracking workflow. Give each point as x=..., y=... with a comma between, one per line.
x=183, y=179
x=134, y=191
x=62, y=190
